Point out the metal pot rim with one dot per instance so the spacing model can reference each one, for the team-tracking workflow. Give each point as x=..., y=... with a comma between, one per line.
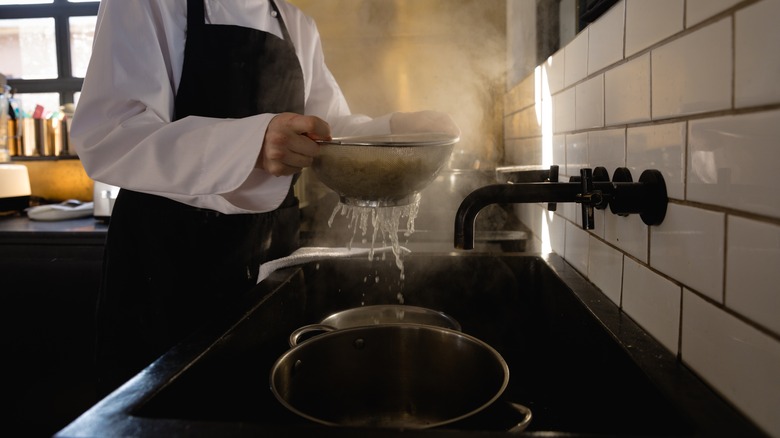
x=398, y=326
x=454, y=324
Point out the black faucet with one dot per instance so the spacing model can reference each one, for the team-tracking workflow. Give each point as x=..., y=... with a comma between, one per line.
x=592, y=189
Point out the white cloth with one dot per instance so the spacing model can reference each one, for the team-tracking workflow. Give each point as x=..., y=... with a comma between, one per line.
x=315, y=253
x=123, y=129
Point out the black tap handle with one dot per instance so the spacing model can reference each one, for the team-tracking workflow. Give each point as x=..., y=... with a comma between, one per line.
x=647, y=196
x=586, y=180
x=552, y=206
x=553, y=173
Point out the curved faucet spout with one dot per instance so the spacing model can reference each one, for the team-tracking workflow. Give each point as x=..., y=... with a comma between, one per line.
x=591, y=189
x=507, y=193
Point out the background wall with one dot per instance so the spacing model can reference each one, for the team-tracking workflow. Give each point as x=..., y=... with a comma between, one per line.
x=409, y=55
x=59, y=180
x=689, y=87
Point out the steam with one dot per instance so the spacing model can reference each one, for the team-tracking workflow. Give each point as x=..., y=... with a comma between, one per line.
x=411, y=55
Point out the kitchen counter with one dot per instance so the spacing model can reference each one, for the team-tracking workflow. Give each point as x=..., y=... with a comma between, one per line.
x=20, y=229
x=582, y=366
x=49, y=280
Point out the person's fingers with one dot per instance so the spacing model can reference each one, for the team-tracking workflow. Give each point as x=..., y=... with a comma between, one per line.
x=288, y=144
x=279, y=156
x=310, y=126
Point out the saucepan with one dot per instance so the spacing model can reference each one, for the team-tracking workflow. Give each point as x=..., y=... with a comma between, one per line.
x=382, y=170
x=397, y=376
x=377, y=314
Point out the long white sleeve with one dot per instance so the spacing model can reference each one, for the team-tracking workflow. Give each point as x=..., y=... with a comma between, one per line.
x=123, y=128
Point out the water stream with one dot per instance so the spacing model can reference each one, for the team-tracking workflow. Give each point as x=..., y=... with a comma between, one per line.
x=384, y=223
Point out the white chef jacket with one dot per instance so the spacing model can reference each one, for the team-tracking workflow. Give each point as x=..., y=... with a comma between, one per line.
x=123, y=128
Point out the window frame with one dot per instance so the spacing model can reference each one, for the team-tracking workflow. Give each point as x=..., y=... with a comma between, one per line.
x=590, y=11
x=61, y=10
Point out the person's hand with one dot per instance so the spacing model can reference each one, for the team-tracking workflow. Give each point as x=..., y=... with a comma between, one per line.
x=288, y=145
x=423, y=122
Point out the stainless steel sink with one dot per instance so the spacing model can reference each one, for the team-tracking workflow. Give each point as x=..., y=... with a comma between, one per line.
x=582, y=366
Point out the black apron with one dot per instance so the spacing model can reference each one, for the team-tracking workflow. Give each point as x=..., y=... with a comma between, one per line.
x=169, y=266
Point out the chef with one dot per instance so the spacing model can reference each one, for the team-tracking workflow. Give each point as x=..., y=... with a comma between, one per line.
x=203, y=112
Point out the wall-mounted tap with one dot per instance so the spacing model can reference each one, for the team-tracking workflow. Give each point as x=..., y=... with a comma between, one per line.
x=592, y=189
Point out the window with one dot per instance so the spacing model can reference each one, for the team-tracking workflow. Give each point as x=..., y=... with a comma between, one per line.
x=45, y=47
x=559, y=21
x=591, y=10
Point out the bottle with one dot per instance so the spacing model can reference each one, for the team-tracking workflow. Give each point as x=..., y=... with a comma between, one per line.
x=5, y=156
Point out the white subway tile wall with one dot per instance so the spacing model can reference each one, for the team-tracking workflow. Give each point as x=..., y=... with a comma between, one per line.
x=627, y=92
x=695, y=94
x=605, y=40
x=563, y=111
x=752, y=274
x=576, y=63
x=553, y=68
x=699, y=10
x=589, y=103
x=628, y=234
x=737, y=360
x=524, y=123
x=648, y=22
x=689, y=246
x=692, y=74
x=653, y=302
x=605, y=268
x=576, y=247
x=661, y=147
x=576, y=153
x=607, y=149
x=557, y=229
x=733, y=162
x=558, y=147
x=757, y=55
x=599, y=228
x=569, y=211
x=522, y=95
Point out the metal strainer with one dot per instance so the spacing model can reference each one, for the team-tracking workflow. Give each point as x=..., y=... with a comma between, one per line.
x=386, y=170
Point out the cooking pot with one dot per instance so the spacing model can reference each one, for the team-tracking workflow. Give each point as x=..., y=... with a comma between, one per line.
x=377, y=314
x=400, y=376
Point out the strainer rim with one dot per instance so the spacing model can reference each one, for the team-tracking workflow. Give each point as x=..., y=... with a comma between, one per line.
x=395, y=140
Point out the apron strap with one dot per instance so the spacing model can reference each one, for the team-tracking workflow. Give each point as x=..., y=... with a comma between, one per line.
x=285, y=33
x=196, y=14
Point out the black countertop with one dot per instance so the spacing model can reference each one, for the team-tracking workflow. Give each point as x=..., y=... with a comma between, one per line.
x=21, y=229
x=50, y=280
x=592, y=371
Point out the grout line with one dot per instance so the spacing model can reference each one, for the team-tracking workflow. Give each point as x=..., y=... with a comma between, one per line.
x=680, y=326
x=686, y=148
x=722, y=307
x=729, y=211
x=681, y=34
x=725, y=256
x=650, y=87
x=622, y=278
x=625, y=27
x=734, y=60
x=682, y=118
